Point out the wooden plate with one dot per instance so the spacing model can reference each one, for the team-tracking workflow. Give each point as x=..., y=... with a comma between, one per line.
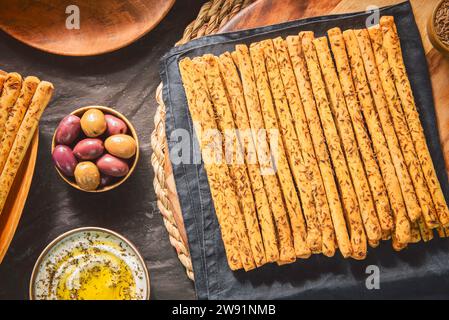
x=267, y=12
x=105, y=25
x=10, y=217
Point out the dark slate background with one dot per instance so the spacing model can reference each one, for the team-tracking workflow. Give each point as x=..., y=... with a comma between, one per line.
x=125, y=80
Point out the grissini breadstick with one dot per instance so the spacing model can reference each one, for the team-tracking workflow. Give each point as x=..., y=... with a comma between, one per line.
x=426, y=233
x=286, y=247
x=23, y=138
x=220, y=185
x=2, y=80
x=336, y=210
x=237, y=171
x=446, y=231
x=233, y=203
x=440, y=231
x=346, y=133
x=16, y=116
x=401, y=234
x=401, y=128
x=283, y=171
x=293, y=148
x=323, y=221
x=415, y=235
x=411, y=200
x=10, y=93
x=378, y=188
x=352, y=209
x=392, y=46
x=235, y=93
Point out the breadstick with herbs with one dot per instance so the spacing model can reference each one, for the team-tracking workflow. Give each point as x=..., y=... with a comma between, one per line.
x=287, y=252
x=287, y=185
x=237, y=103
x=336, y=220
x=401, y=233
x=16, y=116
x=23, y=138
x=10, y=93
x=414, y=206
x=323, y=219
x=401, y=128
x=377, y=185
x=347, y=136
x=237, y=171
x=221, y=186
x=392, y=46
x=293, y=147
x=352, y=209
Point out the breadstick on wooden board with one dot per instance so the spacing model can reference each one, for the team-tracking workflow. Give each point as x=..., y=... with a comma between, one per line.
x=235, y=93
x=287, y=185
x=392, y=46
x=413, y=203
x=23, y=138
x=286, y=247
x=401, y=128
x=16, y=116
x=10, y=93
x=237, y=170
x=294, y=150
x=333, y=199
x=221, y=187
x=323, y=217
x=377, y=185
x=352, y=209
x=347, y=136
x=401, y=234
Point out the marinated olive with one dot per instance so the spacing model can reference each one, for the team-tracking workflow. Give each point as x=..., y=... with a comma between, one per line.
x=68, y=130
x=115, y=125
x=106, y=180
x=89, y=149
x=112, y=166
x=93, y=123
x=87, y=176
x=121, y=145
x=65, y=160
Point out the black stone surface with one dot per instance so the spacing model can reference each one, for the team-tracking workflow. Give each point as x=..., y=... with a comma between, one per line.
x=125, y=80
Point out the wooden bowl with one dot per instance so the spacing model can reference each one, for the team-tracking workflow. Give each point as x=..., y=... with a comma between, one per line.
x=106, y=110
x=433, y=36
x=105, y=25
x=10, y=216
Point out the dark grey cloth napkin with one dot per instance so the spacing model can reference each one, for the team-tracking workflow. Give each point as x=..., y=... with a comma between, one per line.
x=419, y=271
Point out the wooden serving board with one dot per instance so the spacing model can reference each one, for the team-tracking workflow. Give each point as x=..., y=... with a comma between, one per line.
x=104, y=25
x=10, y=217
x=268, y=12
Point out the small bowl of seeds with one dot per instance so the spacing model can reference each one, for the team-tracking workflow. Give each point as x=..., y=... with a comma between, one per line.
x=438, y=27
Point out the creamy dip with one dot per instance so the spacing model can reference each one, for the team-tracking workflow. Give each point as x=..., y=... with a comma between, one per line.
x=90, y=264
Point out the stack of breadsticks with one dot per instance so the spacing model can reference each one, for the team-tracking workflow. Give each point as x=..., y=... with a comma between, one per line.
x=22, y=102
x=349, y=165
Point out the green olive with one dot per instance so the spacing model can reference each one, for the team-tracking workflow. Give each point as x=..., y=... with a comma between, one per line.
x=121, y=145
x=87, y=176
x=93, y=123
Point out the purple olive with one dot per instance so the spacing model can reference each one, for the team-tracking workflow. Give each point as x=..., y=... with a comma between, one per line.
x=115, y=125
x=106, y=180
x=89, y=149
x=68, y=130
x=112, y=166
x=65, y=160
